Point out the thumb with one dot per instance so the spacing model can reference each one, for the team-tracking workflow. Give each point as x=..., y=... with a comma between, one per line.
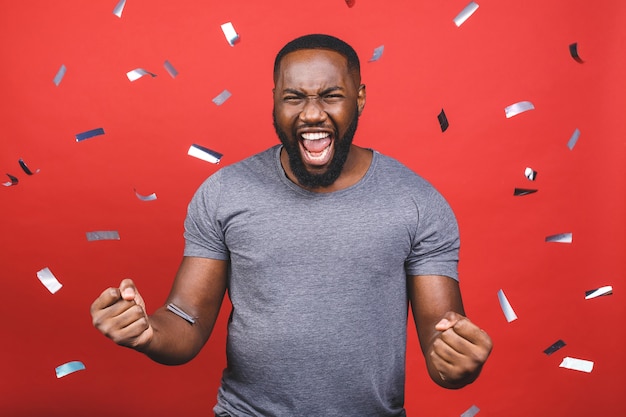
x=129, y=292
x=448, y=321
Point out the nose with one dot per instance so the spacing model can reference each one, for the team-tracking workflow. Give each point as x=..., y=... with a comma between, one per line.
x=313, y=110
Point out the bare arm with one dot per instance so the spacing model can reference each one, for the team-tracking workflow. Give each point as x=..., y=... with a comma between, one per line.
x=199, y=287
x=454, y=348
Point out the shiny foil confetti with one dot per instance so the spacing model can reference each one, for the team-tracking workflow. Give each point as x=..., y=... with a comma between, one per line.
x=530, y=174
x=576, y=364
x=350, y=3
x=49, y=281
x=205, y=154
x=170, y=69
x=230, y=33
x=59, y=75
x=573, y=51
x=560, y=238
x=119, y=8
x=517, y=108
x=89, y=134
x=25, y=168
x=137, y=73
x=68, y=368
x=103, y=235
x=471, y=412
x=573, y=139
x=180, y=313
x=378, y=52
x=599, y=292
x=554, y=347
x=221, y=97
x=465, y=13
x=506, y=307
x=443, y=121
x=149, y=197
x=13, y=181
x=523, y=191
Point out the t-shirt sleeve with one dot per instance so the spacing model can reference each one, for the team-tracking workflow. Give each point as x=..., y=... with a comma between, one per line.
x=435, y=246
x=204, y=235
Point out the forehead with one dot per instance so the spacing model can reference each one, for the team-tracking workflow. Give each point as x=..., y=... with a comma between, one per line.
x=313, y=66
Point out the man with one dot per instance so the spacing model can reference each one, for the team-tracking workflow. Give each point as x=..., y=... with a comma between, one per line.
x=321, y=245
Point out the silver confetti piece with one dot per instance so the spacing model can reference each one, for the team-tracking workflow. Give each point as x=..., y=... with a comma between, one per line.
x=471, y=412
x=221, y=97
x=142, y=197
x=523, y=191
x=137, y=73
x=554, y=347
x=378, y=52
x=506, y=307
x=180, y=313
x=443, y=121
x=517, y=108
x=230, y=33
x=599, y=292
x=573, y=51
x=68, y=368
x=25, y=167
x=119, y=8
x=89, y=134
x=48, y=279
x=205, y=154
x=103, y=235
x=14, y=181
x=170, y=69
x=573, y=139
x=530, y=174
x=59, y=75
x=465, y=13
x=577, y=364
x=560, y=238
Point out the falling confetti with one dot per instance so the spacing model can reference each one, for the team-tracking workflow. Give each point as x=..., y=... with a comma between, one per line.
x=378, y=52
x=554, y=347
x=59, y=75
x=221, y=97
x=560, y=238
x=599, y=292
x=26, y=169
x=103, y=235
x=471, y=412
x=119, y=8
x=137, y=73
x=443, y=121
x=89, y=134
x=149, y=197
x=506, y=307
x=205, y=154
x=180, y=313
x=230, y=33
x=170, y=69
x=573, y=139
x=530, y=174
x=517, y=108
x=523, y=191
x=14, y=181
x=68, y=368
x=465, y=13
x=48, y=279
x=573, y=51
x=576, y=364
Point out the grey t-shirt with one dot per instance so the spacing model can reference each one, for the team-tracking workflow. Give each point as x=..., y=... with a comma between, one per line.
x=317, y=283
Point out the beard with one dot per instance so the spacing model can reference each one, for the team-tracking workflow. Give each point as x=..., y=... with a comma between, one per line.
x=327, y=178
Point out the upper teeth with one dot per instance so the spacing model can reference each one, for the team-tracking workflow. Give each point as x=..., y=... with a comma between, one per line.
x=315, y=135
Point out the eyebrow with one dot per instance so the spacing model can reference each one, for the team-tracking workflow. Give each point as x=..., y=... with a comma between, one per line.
x=323, y=92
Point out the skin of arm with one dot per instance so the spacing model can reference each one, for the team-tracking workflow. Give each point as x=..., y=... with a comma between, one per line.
x=455, y=349
x=198, y=289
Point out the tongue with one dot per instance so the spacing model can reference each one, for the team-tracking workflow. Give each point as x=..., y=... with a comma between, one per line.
x=316, y=145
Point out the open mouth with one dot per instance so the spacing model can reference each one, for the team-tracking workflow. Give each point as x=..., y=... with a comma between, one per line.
x=316, y=147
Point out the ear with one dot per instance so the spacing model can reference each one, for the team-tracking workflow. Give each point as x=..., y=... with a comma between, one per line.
x=361, y=98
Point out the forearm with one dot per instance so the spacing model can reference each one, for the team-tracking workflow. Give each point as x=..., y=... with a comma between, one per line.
x=174, y=340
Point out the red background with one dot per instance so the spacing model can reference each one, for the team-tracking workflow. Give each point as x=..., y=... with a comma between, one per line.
x=506, y=52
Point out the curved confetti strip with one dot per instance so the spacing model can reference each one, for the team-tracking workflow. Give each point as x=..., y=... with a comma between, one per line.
x=68, y=368
x=599, y=292
x=573, y=51
x=137, y=73
x=119, y=8
x=517, y=108
x=25, y=168
x=506, y=307
x=205, y=154
x=14, y=181
x=150, y=197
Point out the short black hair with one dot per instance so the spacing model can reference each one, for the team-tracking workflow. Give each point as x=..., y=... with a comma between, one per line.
x=320, y=41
